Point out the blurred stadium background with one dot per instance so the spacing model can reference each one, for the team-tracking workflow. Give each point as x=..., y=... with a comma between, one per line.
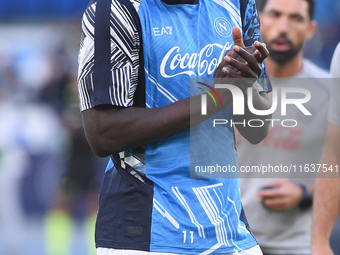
x=48, y=176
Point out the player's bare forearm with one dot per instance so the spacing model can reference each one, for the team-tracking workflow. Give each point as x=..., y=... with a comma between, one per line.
x=113, y=129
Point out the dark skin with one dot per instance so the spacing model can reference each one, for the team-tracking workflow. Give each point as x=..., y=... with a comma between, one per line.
x=111, y=129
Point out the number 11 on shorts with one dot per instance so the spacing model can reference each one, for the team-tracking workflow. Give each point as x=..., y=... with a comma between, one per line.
x=185, y=236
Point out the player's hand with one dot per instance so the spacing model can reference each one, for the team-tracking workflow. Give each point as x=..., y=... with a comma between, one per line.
x=283, y=195
x=241, y=61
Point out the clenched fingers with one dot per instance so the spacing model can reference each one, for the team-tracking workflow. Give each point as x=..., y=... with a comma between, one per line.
x=244, y=68
x=261, y=51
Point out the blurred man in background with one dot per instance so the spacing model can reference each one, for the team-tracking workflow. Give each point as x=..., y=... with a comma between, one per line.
x=279, y=210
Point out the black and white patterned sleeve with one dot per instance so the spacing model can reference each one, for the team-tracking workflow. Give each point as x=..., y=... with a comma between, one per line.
x=251, y=33
x=118, y=74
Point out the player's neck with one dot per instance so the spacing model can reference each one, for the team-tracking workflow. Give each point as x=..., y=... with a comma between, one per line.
x=288, y=69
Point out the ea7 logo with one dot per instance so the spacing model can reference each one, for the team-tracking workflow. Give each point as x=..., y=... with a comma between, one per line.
x=239, y=101
x=158, y=31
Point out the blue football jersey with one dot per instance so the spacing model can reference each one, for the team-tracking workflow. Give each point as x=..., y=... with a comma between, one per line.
x=149, y=200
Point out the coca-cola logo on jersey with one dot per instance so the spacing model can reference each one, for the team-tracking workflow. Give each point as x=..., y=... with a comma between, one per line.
x=177, y=62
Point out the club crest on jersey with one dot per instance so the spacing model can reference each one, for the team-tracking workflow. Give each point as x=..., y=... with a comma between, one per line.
x=222, y=27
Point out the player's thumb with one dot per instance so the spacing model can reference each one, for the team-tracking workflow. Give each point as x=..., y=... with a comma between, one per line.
x=237, y=37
